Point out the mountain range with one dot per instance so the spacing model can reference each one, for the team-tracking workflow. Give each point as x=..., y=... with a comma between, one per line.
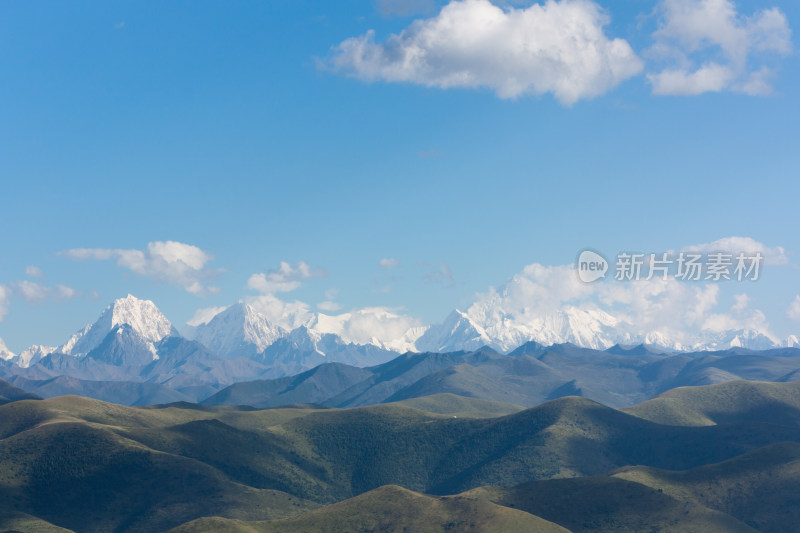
x=241, y=331
x=240, y=425
x=435, y=464
x=133, y=345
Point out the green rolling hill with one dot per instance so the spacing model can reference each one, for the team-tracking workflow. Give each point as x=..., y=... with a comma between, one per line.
x=602, y=503
x=85, y=465
x=393, y=509
x=726, y=403
x=10, y=393
x=761, y=488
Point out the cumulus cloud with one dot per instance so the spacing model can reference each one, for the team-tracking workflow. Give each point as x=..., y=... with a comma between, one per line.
x=375, y=325
x=5, y=353
x=204, y=315
x=372, y=325
x=330, y=294
x=540, y=289
x=558, y=47
x=389, y=262
x=329, y=305
x=773, y=255
x=742, y=301
x=552, y=298
x=33, y=271
x=288, y=315
x=5, y=294
x=709, y=47
x=793, y=312
x=34, y=293
x=172, y=262
x=285, y=278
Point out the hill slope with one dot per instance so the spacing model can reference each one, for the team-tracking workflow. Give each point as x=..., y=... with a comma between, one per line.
x=761, y=488
x=10, y=393
x=608, y=504
x=394, y=509
x=90, y=466
x=726, y=403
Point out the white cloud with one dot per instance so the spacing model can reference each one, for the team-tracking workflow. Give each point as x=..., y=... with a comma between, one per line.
x=558, y=47
x=330, y=294
x=204, y=315
x=708, y=78
x=329, y=306
x=170, y=261
x=285, y=278
x=389, y=262
x=288, y=315
x=5, y=353
x=742, y=301
x=773, y=255
x=545, y=299
x=372, y=325
x=34, y=272
x=376, y=325
x=794, y=309
x=34, y=293
x=5, y=294
x=712, y=48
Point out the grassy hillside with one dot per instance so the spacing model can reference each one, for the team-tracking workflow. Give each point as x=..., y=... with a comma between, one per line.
x=123, y=392
x=68, y=461
x=370, y=447
x=394, y=509
x=10, y=393
x=315, y=385
x=90, y=466
x=11, y=522
x=460, y=406
x=607, y=504
x=726, y=403
x=529, y=376
x=88, y=479
x=761, y=488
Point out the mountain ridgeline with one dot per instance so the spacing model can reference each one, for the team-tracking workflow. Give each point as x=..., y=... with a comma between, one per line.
x=145, y=430
x=439, y=463
x=133, y=355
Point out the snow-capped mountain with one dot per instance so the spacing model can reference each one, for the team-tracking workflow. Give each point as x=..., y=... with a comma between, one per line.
x=132, y=340
x=792, y=341
x=125, y=346
x=374, y=326
x=142, y=316
x=743, y=338
x=466, y=331
x=5, y=353
x=304, y=348
x=457, y=332
x=33, y=355
x=238, y=331
x=588, y=328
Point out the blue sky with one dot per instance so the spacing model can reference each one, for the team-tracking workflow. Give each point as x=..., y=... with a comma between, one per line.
x=247, y=130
